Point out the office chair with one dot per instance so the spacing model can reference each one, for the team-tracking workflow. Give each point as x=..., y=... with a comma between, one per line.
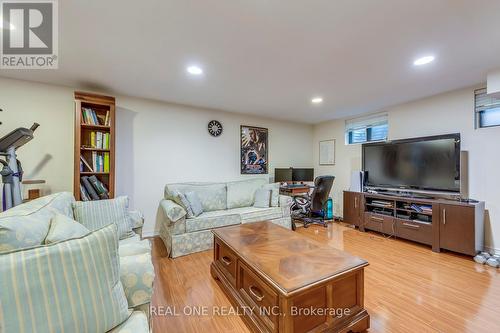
x=311, y=209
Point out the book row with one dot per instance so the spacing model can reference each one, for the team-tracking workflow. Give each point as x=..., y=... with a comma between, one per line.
x=92, y=188
x=100, y=162
x=90, y=117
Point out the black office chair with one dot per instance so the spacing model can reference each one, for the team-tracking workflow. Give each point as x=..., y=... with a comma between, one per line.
x=310, y=209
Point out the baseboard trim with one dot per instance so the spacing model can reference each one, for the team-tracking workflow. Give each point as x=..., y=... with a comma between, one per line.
x=492, y=250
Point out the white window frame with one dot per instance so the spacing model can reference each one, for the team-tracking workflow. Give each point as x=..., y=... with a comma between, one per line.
x=366, y=123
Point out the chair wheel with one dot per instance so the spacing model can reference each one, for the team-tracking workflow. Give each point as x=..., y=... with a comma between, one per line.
x=325, y=225
x=306, y=225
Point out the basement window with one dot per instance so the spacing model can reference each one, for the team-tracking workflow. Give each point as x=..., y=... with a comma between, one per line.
x=366, y=129
x=487, y=109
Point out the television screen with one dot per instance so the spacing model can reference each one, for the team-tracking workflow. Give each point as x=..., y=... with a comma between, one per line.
x=282, y=175
x=303, y=174
x=431, y=163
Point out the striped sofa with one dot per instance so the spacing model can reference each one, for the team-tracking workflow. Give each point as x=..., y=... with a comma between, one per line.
x=30, y=222
x=224, y=204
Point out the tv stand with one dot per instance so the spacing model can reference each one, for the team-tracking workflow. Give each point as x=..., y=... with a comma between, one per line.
x=452, y=225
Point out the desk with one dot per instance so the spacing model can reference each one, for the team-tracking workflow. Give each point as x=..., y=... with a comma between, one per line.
x=295, y=190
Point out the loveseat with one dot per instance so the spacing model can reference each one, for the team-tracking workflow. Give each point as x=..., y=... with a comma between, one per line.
x=24, y=229
x=224, y=204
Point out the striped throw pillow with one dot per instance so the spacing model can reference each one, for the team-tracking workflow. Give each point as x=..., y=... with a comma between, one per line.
x=96, y=214
x=70, y=286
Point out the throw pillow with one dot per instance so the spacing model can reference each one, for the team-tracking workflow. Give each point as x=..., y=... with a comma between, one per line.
x=186, y=205
x=70, y=286
x=262, y=198
x=63, y=228
x=24, y=226
x=195, y=203
x=275, y=193
x=96, y=214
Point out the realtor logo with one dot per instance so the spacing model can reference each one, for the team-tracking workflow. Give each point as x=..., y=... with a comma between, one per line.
x=29, y=34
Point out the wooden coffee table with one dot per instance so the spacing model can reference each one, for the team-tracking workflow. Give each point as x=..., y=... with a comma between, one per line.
x=281, y=281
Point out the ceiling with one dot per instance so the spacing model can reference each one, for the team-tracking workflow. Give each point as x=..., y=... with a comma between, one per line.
x=270, y=58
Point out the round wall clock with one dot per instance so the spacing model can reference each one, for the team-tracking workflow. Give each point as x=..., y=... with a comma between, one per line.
x=214, y=128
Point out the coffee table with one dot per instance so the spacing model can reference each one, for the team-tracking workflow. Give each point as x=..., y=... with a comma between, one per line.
x=282, y=281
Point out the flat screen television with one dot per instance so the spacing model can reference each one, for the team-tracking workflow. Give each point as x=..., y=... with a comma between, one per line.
x=427, y=164
x=303, y=174
x=282, y=175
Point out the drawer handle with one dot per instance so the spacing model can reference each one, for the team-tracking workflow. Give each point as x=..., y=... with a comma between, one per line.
x=255, y=292
x=411, y=226
x=226, y=260
x=378, y=219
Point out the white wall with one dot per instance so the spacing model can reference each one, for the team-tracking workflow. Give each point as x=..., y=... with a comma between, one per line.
x=160, y=143
x=446, y=113
x=49, y=156
x=157, y=143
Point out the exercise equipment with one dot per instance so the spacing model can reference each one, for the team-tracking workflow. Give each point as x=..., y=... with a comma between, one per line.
x=12, y=171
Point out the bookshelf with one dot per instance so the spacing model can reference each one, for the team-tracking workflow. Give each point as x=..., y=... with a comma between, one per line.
x=94, y=162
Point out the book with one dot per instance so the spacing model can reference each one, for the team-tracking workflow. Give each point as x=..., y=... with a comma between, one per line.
x=92, y=139
x=83, y=193
x=106, y=162
x=89, y=188
x=106, y=120
x=101, y=191
x=98, y=140
x=94, y=161
x=86, y=163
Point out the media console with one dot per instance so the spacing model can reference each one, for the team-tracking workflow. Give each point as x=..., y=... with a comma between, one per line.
x=443, y=224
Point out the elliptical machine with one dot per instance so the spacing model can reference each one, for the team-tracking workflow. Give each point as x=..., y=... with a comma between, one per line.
x=12, y=171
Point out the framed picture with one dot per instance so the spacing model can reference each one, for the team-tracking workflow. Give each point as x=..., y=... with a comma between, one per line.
x=327, y=152
x=254, y=150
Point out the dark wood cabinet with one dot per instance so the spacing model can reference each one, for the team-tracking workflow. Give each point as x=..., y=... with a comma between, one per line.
x=457, y=228
x=443, y=224
x=353, y=208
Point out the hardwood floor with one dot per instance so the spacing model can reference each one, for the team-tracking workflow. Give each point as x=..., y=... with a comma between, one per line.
x=408, y=288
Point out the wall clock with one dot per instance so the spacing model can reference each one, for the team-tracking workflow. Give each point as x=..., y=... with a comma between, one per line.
x=214, y=128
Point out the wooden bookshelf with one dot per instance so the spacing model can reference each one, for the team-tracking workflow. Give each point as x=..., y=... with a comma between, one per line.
x=84, y=147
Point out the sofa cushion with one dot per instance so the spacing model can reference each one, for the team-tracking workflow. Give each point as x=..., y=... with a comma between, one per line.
x=136, y=219
x=137, y=275
x=136, y=323
x=194, y=203
x=275, y=193
x=254, y=214
x=213, y=196
x=62, y=228
x=172, y=211
x=262, y=198
x=211, y=220
x=180, y=199
x=134, y=245
x=69, y=286
x=27, y=225
x=96, y=214
x=242, y=193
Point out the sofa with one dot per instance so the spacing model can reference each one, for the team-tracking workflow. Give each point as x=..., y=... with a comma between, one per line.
x=224, y=204
x=24, y=227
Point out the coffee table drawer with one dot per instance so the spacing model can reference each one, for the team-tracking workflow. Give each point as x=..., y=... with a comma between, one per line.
x=226, y=259
x=259, y=295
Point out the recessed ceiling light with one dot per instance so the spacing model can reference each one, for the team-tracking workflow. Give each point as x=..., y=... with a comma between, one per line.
x=317, y=100
x=424, y=60
x=194, y=70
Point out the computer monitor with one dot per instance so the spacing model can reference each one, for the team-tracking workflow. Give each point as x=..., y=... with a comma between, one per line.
x=303, y=174
x=282, y=175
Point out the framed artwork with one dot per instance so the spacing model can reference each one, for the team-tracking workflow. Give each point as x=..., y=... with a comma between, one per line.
x=254, y=150
x=327, y=152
